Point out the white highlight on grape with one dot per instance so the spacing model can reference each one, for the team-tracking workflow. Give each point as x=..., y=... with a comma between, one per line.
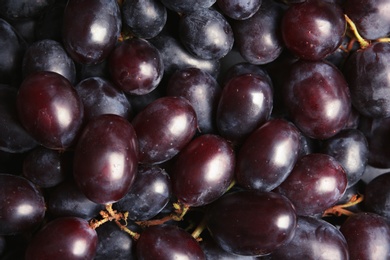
x=116, y=161
x=79, y=247
x=283, y=222
x=25, y=209
x=280, y=153
x=64, y=117
x=326, y=184
x=98, y=32
x=178, y=125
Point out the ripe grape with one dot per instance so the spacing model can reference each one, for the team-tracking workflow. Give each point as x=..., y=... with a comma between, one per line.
x=377, y=195
x=239, y=10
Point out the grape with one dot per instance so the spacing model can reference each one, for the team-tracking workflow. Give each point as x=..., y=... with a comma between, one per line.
x=48, y=55
x=152, y=13
x=169, y=242
x=22, y=206
x=366, y=72
x=148, y=195
x=231, y=222
x=377, y=195
x=313, y=29
x=258, y=38
x=99, y=96
x=50, y=109
x=316, y=183
x=163, y=128
x=367, y=235
x=206, y=34
x=268, y=155
x=350, y=148
x=136, y=66
x=63, y=238
x=203, y=170
x=314, y=239
x=317, y=98
x=239, y=10
x=106, y=158
x=245, y=104
x=13, y=137
x=89, y=37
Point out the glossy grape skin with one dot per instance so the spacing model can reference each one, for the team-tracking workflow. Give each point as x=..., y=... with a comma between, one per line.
x=203, y=92
x=22, y=9
x=12, y=49
x=203, y=170
x=258, y=38
x=175, y=56
x=246, y=103
x=370, y=17
x=268, y=155
x=316, y=183
x=350, y=148
x=367, y=235
x=231, y=218
x=13, y=137
x=206, y=34
x=63, y=238
x=187, y=6
x=45, y=167
x=366, y=72
x=136, y=66
x=152, y=13
x=89, y=37
x=50, y=109
x=169, y=242
x=239, y=10
x=22, y=205
x=148, y=195
x=106, y=158
x=163, y=128
x=314, y=239
x=377, y=195
x=313, y=29
x=48, y=55
x=100, y=96
x=317, y=98
x=67, y=200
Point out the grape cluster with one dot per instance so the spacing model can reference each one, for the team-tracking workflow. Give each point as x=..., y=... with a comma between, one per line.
x=208, y=129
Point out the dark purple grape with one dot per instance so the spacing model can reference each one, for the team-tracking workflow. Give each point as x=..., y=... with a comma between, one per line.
x=163, y=128
x=239, y=10
x=314, y=239
x=106, y=158
x=22, y=206
x=316, y=183
x=67, y=200
x=187, y=6
x=50, y=109
x=175, y=56
x=203, y=170
x=166, y=242
x=48, y=55
x=366, y=72
x=136, y=66
x=148, y=195
x=21, y=9
x=246, y=103
x=114, y=243
x=268, y=155
x=13, y=137
x=377, y=195
x=370, y=17
x=350, y=148
x=313, y=29
x=144, y=18
x=63, y=238
x=45, y=167
x=203, y=92
x=90, y=36
x=231, y=222
x=100, y=97
x=367, y=235
x=317, y=98
x=206, y=34
x=258, y=38
x=12, y=48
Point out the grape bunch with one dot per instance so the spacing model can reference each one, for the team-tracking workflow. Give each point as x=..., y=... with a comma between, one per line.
x=208, y=129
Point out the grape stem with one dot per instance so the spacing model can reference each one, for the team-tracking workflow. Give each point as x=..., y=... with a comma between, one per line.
x=340, y=210
x=199, y=229
x=363, y=42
